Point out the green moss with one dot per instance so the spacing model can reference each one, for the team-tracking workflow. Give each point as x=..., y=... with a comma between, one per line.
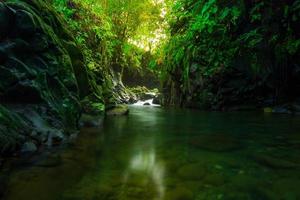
x=118, y=110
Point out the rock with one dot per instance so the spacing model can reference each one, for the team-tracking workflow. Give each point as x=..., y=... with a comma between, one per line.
x=92, y=105
x=38, y=71
x=24, y=91
x=273, y=162
x=25, y=23
x=287, y=188
x=215, y=179
x=91, y=120
x=179, y=193
x=28, y=147
x=192, y=172
x=132, y=100
x=216, y=142
x=147, y=104
x=9, y=76
x=147, y=96
x=40, y=137
x=39, y=43
x=118, y=110
x=281, y=110
x=157, y=99
x=12, y=128
x=6, y=17
x=55, y=137
x=268, y=110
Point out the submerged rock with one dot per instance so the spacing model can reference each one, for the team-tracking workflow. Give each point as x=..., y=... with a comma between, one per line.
x=179, y=193
x=192, y=171
x=216, y=142
x=147, y=104
x=215, y=179
x=91, y=120
x=273, y=162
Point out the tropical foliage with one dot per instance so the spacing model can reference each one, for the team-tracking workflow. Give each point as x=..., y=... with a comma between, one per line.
x=231, y=48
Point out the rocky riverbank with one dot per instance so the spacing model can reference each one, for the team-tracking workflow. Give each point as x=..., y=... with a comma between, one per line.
x=44, y=82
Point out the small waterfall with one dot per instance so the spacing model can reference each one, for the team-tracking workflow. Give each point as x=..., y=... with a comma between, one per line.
x=147, y=102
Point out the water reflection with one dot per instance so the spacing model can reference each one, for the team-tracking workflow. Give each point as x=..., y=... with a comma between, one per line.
x=148, y=169
x=158, y=154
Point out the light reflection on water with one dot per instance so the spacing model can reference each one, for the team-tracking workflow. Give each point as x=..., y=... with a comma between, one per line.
x=145, y=162
x=159, y=154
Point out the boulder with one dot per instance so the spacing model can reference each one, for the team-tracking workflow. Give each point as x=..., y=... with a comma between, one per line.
x=194, y=171
x=91, y=120
x=147, y=96
x=29, y=147
x=118, y=110
x=157, y=99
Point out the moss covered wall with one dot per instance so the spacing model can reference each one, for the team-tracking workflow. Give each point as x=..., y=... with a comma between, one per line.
x=42, y=77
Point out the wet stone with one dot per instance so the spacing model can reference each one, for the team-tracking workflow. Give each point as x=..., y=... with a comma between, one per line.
x=192, y=172
x=118, y=110
x=215, y=179
x=180, y=193
x=273, y=162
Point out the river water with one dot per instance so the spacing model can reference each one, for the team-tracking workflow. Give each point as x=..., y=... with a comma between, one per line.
x=169, y=154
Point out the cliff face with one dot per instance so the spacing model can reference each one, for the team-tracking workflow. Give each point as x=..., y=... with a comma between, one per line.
x=42, y=77
x=223, y=54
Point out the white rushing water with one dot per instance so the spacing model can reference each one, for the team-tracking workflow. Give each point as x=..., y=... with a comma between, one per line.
x=149, y=101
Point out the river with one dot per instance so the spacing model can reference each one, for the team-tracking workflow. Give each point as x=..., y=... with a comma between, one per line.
x=170, y=154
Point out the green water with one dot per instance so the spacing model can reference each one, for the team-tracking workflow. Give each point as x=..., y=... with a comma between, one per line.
x=157, y=154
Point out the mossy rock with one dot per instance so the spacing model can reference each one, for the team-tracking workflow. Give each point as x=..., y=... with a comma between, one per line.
x=12, y=130
x=118, y=110
x=93, y=105
x=25, y=23
x=91, y=120
x=37, y=69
